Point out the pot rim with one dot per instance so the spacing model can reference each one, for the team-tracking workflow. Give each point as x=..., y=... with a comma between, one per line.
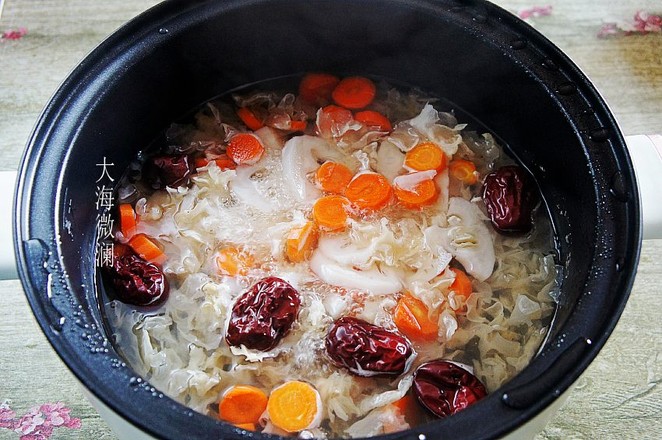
x=36, y=234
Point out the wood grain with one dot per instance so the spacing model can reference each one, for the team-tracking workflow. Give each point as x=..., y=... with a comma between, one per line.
x=618, y=397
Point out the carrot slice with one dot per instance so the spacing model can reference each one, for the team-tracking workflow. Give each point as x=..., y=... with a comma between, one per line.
x=333, y=177
x=294, y=406
x=298, y=125
x=329, y=212
x=354, y=92
x=246, y=426
x=201, y=162
x=147, y=249
x=421, y=194
x=462, y=287
x=412, y=318
x=463, y=170
x=374, y=119
x=232, y=261
x=409, y=408
x=301, y=242
x=369, y=191
x=223, y=162
x=332, y=121
x=128, y=220
x=403, y=402
x=425, y=156
x=462, y=283
x=249, y=119
x=242, y=404
x=316, y=88
x=244, y=148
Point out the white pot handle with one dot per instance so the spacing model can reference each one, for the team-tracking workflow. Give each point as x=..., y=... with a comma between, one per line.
x=646, y=154
x=7, y=260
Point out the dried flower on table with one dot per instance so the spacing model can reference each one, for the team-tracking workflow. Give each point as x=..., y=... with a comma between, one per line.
x=642, y=23
x=13, y=34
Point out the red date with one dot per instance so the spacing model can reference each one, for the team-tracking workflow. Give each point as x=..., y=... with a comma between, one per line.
x=366, y=349
x=173, y=171
x=445, y=388
x=136, y=281
x=263, y=315
x=510, y=197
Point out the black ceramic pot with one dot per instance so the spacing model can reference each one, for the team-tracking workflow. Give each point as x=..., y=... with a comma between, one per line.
x=180, y=53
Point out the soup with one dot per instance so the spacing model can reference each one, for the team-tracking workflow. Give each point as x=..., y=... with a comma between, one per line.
x=340, y=259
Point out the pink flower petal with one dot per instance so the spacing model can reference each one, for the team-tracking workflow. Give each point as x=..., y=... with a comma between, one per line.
x=57, y=415
x=73, y=424
x=39, y=422
x=608, y=29
x=13, y=34
x=55, y=420
x=7, y=417
x=534, y=12
x=29, y=423
x=642, y=23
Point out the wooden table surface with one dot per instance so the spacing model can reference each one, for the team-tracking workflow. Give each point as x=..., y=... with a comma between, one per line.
x=620, y=395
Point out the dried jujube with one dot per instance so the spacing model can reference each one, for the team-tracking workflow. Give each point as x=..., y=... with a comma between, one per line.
x=445, y=388
x=168, y=170
x=263, y=314
x=136, y=281
x=366, y=349
x=510, y=195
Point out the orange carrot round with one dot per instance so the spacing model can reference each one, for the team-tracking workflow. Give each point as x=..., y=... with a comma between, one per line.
x=146, y=248
x=409, y=408
x=354, y=92
x=373, y=119
x=369, y=191
x=333, y=177
x=316, y=88
x=329, y=212
x=425, y=156
x=233, y=261
x=463, y=170
x=421, y=194
x=245, y=148
x=128, y=219
x=246, y=426
x=249, y=118
x=201, y=162
x=294, y=406
x=412, y=318
x=296, y=125
x=301, y=242
x=242, y=404
x=223, y=162
x=331, y=119
x=462, y=283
